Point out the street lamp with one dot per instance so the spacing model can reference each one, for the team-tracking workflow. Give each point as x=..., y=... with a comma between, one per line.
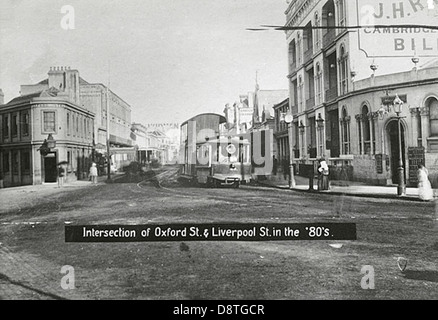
x=48, y=145
x=398, y=108
x=289, y=120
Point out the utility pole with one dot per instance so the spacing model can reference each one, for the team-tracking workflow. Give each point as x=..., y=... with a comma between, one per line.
x=289, y=120
x=108, y=164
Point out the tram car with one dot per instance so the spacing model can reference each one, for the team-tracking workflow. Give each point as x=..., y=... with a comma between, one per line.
x=209, y=158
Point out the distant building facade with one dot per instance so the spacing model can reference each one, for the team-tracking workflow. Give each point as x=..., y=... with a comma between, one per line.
x=156, y=142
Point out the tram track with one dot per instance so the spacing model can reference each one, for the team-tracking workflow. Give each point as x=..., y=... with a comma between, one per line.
x=343, y=206
x=196, y=192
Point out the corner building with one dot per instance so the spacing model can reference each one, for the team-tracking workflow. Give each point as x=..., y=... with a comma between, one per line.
x=344, y=80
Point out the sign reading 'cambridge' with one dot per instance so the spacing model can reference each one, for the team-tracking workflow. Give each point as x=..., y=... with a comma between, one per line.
x=392, y=31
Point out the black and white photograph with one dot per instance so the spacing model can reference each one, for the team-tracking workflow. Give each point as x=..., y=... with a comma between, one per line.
x=219, y=155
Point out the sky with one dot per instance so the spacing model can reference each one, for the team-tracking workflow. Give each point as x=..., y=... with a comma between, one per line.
x=169, y=59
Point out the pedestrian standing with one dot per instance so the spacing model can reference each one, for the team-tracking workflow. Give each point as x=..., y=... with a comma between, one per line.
x=93, y=173
x=323, y=173
x=425, y=191
x=275, y=164
x=61, y=176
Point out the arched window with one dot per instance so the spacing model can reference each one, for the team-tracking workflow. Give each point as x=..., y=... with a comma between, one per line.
x=366, y=129
x=292, y=56
x=343, y=70
x=299, y=49
x=318, y=84
x=345, y=131
x=432, y=103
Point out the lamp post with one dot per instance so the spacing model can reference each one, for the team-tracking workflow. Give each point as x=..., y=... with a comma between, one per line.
x=320, y=126
x=48, y=145
x=398, y=108
x=289, y=120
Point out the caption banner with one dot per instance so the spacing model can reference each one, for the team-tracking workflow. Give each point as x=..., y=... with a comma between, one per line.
x=210, y=232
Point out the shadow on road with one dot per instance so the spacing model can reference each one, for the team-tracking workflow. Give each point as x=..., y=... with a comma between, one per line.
x=5, y=278
x=422, y=275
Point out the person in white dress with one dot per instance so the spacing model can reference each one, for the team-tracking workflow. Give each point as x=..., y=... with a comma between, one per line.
x=93, y=173
x=425, y=191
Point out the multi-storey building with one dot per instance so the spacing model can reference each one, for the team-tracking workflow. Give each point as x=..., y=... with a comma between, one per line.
x=240, y=114
x=74, y=113
x=281, y=132
x=30, y=120
x=93, y=97
x=345, y=71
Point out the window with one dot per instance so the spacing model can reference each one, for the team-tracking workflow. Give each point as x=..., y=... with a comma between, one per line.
x=433, y=116
x=308, y=39
x=292, y=57
x=25, y=123
x=14, y=125
x=317, y=35
x=6, y=167
x=299, y=49
x=25, y=162
x=73, y=125
x=345, y=131
x=343, y=71
x=366, y=130
x=318, y=84
x=300, y=93
x=85, y=128
x=341, y=14
x=49, y=121
x=15, y=162
x=311, y=135
x=310, y=88
x=77, y=126
x=68, y=124
x=6, y=126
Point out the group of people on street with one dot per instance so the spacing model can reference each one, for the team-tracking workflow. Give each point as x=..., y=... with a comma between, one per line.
x=425, y=190
x=61, y=174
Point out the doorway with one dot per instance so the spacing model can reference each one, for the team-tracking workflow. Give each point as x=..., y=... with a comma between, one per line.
x=394, y=144
x=50, y=168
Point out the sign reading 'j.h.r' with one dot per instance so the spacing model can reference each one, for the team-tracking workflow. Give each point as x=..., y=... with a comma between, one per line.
x=401, y=28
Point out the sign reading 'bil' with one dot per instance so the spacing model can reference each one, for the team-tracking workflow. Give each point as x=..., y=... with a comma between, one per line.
x=398, y=28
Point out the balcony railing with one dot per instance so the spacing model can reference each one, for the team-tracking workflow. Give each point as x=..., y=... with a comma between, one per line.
x=293, y=67
x=331, y=94
x=328, y=38
x=308, y=55
x=310, y=103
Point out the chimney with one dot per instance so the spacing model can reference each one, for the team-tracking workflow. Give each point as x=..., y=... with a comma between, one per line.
x=72, y=84
x=2, y=97
x=56, y=78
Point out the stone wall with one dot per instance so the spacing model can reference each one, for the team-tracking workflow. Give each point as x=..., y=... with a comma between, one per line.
x=365, y=170
x=432, y=167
